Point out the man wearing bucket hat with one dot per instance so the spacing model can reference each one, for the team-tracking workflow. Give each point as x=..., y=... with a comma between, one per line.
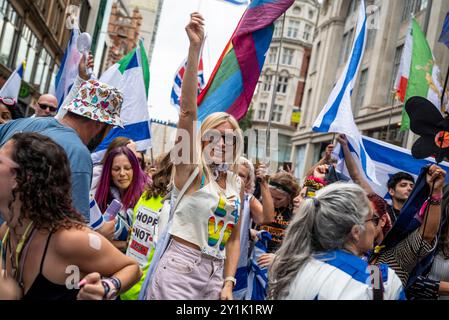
x=93, y=111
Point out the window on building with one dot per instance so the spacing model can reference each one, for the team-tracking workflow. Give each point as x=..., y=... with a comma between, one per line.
x=293, y=29
x=284, y=148
x=33, y=49
x=267, y=82
x=361, y=89
x=272, y=55
x=297, y=10
x=307, y=31
x=282, y=84
x=10, y=33
x=352, y=7
x=370, y=38
x=262, y=111
x=276, y=114
x=392, y=135
x=421, y=5
x=84, y=14
x=345, y=47
x=51, y=87
x=287, y=56
x=300, y=161
x=277, y=29
x=58, y=16
x=311, y=14
x=407, y=10
x=316, y=56
x=42, y=70
x=396, y=64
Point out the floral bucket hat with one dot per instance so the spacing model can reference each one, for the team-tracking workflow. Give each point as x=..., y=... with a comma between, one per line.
x=98, y=101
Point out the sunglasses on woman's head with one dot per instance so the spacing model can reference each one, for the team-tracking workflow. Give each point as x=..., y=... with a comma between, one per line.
x=8, y=101
x=45, y=106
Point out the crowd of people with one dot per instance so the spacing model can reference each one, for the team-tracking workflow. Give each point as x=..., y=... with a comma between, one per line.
x=203, y=226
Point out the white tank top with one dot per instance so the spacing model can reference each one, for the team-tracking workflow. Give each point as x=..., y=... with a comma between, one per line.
x=208, y=216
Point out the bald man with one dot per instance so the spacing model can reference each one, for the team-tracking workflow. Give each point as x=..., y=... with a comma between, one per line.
x=46, y=106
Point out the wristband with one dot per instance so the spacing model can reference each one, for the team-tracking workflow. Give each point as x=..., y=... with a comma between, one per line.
x=434, y=202
x=110, y=289
x=232, y=279
x=437, y=197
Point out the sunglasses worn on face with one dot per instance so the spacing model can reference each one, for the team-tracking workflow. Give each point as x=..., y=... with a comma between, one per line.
x=8, y=101
x=228, y=139
x=374, y=219
x=45, y=106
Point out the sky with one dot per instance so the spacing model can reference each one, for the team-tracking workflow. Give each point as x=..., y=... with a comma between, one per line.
x=172, y=44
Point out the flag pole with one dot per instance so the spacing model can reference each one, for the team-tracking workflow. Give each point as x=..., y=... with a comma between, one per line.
x=443, y=107
x=199, y=5
x=391, y=113
x=273, y=97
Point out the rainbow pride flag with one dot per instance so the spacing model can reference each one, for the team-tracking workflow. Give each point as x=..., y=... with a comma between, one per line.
x=234, y=78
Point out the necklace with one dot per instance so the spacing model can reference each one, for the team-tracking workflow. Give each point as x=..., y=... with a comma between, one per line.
x=19, y=248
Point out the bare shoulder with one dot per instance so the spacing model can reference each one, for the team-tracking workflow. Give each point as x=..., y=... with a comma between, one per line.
x=76, y=240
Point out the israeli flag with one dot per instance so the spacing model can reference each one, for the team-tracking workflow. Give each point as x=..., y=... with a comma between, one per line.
x=11, y=88
x=387, y=159
x=336, y=115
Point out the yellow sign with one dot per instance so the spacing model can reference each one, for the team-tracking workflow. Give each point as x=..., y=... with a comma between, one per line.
x=296, y=116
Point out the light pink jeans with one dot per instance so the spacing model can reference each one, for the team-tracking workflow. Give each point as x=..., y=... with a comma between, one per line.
x=184, y=273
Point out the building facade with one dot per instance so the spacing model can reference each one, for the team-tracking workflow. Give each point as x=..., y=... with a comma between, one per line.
x=151, y=12
x=123, y=30
x=37, y=32
x=281, y=84
x=375, y=109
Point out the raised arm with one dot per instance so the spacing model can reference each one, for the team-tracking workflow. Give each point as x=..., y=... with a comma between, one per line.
x=434, y=175
x=186, y=140
x=263, y=214
x=353, y=169
x=324, y=160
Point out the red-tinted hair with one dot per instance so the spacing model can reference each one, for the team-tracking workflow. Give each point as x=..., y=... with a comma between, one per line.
x=380, y=206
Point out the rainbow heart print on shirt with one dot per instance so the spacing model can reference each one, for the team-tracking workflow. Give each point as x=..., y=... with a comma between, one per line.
x=226, y=212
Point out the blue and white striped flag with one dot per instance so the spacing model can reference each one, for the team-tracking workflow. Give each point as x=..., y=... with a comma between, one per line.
x=68, y=70
x=387, y=159
x=336, y=115
x=11, y=88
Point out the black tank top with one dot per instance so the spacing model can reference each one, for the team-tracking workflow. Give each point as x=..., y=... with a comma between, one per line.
x=44, y=289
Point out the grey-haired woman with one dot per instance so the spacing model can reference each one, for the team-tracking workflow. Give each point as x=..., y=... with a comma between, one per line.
x=320, y=257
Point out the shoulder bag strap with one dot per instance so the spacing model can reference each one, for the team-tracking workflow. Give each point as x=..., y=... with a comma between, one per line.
x=183, y=190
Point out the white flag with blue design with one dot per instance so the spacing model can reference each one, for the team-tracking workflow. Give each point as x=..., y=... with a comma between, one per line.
x=388, y=159
x=131, y=75
x=68, y=71
x=336, y=115
x=11, y=88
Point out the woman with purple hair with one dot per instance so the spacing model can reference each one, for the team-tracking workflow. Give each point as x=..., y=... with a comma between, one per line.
x=121, y=179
